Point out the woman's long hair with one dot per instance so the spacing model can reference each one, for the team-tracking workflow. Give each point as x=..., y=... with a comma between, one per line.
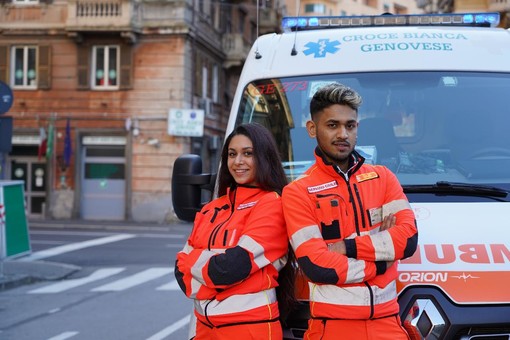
x=269, y=176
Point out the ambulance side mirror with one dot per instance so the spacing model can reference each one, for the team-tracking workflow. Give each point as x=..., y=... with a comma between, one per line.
x=188, y=181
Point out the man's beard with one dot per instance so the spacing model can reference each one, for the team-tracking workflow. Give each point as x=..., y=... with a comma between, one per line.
x=336, y=159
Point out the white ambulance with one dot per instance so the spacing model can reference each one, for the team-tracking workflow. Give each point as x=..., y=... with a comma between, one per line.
x=436, y=111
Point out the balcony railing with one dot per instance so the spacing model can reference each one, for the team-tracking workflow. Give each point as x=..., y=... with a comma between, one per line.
x=100, y=14
x=235, y=48
x=30, y=17
x=268, y=20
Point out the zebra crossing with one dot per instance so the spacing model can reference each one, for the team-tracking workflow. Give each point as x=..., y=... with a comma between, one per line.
x=117, y=285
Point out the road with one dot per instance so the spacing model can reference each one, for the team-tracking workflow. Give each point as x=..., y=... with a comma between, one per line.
x=124, y=290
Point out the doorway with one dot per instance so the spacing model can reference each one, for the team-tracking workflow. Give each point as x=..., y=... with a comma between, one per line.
x=33, y=172
x=103, y=182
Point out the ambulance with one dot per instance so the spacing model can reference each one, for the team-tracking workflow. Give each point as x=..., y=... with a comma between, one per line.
x=436, y=111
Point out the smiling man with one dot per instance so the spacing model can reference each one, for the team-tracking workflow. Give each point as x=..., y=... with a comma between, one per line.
x=349, y=223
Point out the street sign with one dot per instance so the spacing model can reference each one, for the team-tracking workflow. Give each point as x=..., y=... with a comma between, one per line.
x=6, y=97
x=186, y=122
x=14, y=236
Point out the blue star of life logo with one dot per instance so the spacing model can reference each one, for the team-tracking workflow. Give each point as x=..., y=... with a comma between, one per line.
x=321, y=48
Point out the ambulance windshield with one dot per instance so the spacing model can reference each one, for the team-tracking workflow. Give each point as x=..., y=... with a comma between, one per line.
x=425, y=126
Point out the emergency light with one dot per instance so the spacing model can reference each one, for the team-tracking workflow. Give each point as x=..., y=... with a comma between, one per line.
x=290, y=24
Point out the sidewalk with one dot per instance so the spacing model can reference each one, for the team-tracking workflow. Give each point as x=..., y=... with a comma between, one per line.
x=20, y=271
x=17, y=272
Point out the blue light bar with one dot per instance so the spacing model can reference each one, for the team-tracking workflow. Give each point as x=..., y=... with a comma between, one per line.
x=290, y=24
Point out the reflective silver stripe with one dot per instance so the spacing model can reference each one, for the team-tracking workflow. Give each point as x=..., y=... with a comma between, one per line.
x=395, y=206
x=235, y=303
x=382, y=242
x=196, y=269
x=187, y=248
x=355, y=271
x=218, y=251
x=195, y=286
x=197, y=279
x=383, y=246
x=352, y=296
x=280, y=263
x=256, y=249
x=376, y=215
x=305, y=234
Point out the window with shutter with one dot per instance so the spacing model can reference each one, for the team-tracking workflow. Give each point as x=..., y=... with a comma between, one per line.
x=83, y=67
x=198, y=75
x=3, y=64
x=44, y=68
x=126, y=67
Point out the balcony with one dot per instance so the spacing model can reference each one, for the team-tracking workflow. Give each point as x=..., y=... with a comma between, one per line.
x=236, y=49
x=499, y=5
x=269, y=21
x=36, y=17
x=76, y=16
x=101, y=15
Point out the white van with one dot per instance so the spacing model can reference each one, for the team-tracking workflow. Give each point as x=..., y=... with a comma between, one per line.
x=436, y=111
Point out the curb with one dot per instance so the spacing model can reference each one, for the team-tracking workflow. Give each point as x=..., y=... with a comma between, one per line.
x=17, y=273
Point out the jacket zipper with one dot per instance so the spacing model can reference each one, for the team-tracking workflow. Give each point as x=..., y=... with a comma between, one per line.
x=354, y=208
x=358, y=197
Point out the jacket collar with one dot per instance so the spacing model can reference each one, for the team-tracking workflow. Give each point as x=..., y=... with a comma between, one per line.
x=355, y=162
x=239, y=194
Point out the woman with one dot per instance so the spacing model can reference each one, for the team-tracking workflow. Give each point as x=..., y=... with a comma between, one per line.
x=232, y=262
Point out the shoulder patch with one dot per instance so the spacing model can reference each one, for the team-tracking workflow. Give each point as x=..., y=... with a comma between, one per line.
x=322, y=187
x=367, y=176
x=246, y=205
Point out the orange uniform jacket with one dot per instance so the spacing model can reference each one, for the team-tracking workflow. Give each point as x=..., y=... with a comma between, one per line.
x=324, y=206
x=230, y=263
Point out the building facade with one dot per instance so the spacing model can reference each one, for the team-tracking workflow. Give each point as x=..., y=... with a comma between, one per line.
x=96, y=84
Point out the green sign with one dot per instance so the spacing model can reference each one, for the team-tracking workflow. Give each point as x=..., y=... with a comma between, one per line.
x=14, y=236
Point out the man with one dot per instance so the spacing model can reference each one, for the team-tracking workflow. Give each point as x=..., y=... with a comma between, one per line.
x=349, y=223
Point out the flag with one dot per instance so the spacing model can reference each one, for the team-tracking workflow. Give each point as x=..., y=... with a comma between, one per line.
x=68, y=147
x=49, y=143
x=43, y=140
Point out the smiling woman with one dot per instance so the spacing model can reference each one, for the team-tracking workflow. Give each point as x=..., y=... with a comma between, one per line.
x=237, y=265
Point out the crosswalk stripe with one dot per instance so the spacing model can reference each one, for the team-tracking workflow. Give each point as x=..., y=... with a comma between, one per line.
x=133, y=280
x=75, y=246
x=63, y=336
x=171, y=329
x=68, y=284
x=172, y=285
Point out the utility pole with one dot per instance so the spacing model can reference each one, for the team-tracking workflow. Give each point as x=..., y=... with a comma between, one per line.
x=6, y=99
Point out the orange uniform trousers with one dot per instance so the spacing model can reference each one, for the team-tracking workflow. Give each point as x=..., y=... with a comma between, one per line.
x=388, y=328
x=247, y=331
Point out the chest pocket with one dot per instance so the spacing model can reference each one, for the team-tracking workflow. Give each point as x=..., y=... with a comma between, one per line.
x=331, y=211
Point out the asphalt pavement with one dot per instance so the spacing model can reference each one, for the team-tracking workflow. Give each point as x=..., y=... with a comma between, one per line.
x=22, y=270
